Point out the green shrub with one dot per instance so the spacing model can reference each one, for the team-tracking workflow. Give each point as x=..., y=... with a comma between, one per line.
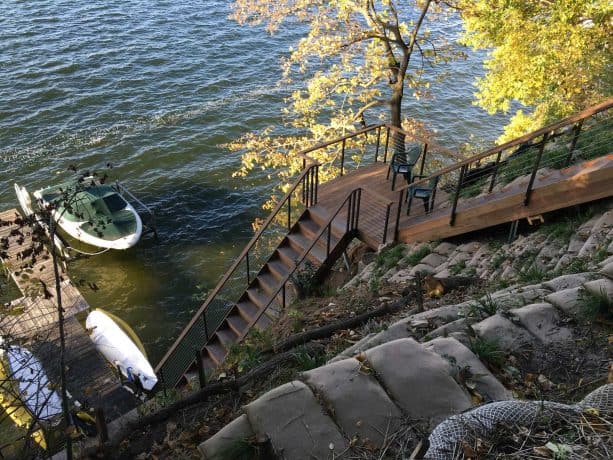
x=416, y=256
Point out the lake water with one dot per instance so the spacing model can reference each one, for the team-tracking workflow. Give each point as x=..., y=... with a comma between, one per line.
x=154, y=87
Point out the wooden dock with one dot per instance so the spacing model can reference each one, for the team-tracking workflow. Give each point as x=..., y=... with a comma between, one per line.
x=32, y=320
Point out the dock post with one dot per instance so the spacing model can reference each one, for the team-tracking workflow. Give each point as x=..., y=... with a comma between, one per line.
x=103, y=432
x=200, y=366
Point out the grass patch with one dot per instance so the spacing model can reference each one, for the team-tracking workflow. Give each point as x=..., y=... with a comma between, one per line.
x=532, y=274
x=306, y=361
x=597, y=306
x=577, y=265
x=415, y=257
x=458, y=267
x=387, y=259
x=248, y=353
x=497, y=261
x=484, y=307
x=488, y=351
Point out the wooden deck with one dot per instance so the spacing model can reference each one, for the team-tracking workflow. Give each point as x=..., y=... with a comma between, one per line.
x=552, y=190
x=32, y=320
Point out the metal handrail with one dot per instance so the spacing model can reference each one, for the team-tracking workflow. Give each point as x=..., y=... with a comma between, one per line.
x=311, y=197
x=518, y=141
x=351, y=226
x=535, y=140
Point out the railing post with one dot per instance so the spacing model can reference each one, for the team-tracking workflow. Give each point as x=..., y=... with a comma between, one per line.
x=248, y=273
x=387, y=219
x=535, y=169
x=283, y=294
x=289, y=213
x=200, y=366
x=316, y=184
x=457, y=194
x=357, y=210
x=387, y=142
x=495, y=173
x=398, y=211
x=328, y=240
x=378, y=142
x=573, y=144
x=423, y=159
x=163, y=382
x=343, y=157
x=206, y=326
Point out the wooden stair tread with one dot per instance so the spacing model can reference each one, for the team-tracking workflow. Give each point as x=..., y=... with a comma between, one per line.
x=268, y=282
x=237, y=323
x=288, y=255
x=216, y=352
x=300, y=242
x=277, y=268
x=247, y=310
x=258, y=296
x=227, y=337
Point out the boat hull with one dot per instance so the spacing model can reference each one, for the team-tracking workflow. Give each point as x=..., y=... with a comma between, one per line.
x=25, y=390
x=119, y=350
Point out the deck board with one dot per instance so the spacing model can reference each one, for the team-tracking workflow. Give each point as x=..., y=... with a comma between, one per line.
x=552, y=190
x=32, y=320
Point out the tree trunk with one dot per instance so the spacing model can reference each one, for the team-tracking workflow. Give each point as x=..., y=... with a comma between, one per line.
x=396, y=120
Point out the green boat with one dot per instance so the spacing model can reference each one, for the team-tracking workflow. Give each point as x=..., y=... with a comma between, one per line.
x=91, y=212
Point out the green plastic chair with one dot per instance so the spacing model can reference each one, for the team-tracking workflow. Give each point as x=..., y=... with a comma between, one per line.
x=403, y=162
x=425, y=192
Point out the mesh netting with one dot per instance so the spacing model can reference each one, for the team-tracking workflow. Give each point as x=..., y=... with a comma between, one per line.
x=483, y=421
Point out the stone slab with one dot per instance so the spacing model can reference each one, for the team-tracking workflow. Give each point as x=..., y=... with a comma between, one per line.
x=504, y=333
x=601, y=286
x=423, y=269
x=483, y=253
x=445, y=248
x=568, y=281
x=485, y=383
x=434, y=260
x=220, y=445
x=459, y=257
x=394, y=332
x=607, y=270
x=359, y=404
x=354, y=349
x=459, y=325
x=567, y=300
x=402, y=276
x=296, y=424
x=418, y=380
x=605, y=262
x=543, y=321
x=470, y=247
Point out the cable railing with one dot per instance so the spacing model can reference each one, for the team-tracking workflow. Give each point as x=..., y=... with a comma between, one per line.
x=350, y=221
x=301, y=195
x=516, y=164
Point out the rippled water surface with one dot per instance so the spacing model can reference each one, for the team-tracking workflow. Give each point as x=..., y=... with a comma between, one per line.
x=155, y=87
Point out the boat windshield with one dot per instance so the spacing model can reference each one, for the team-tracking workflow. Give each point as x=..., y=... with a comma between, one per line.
x=114, y=202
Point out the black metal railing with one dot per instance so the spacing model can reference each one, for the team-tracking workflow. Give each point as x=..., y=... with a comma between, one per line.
x=518, y=163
